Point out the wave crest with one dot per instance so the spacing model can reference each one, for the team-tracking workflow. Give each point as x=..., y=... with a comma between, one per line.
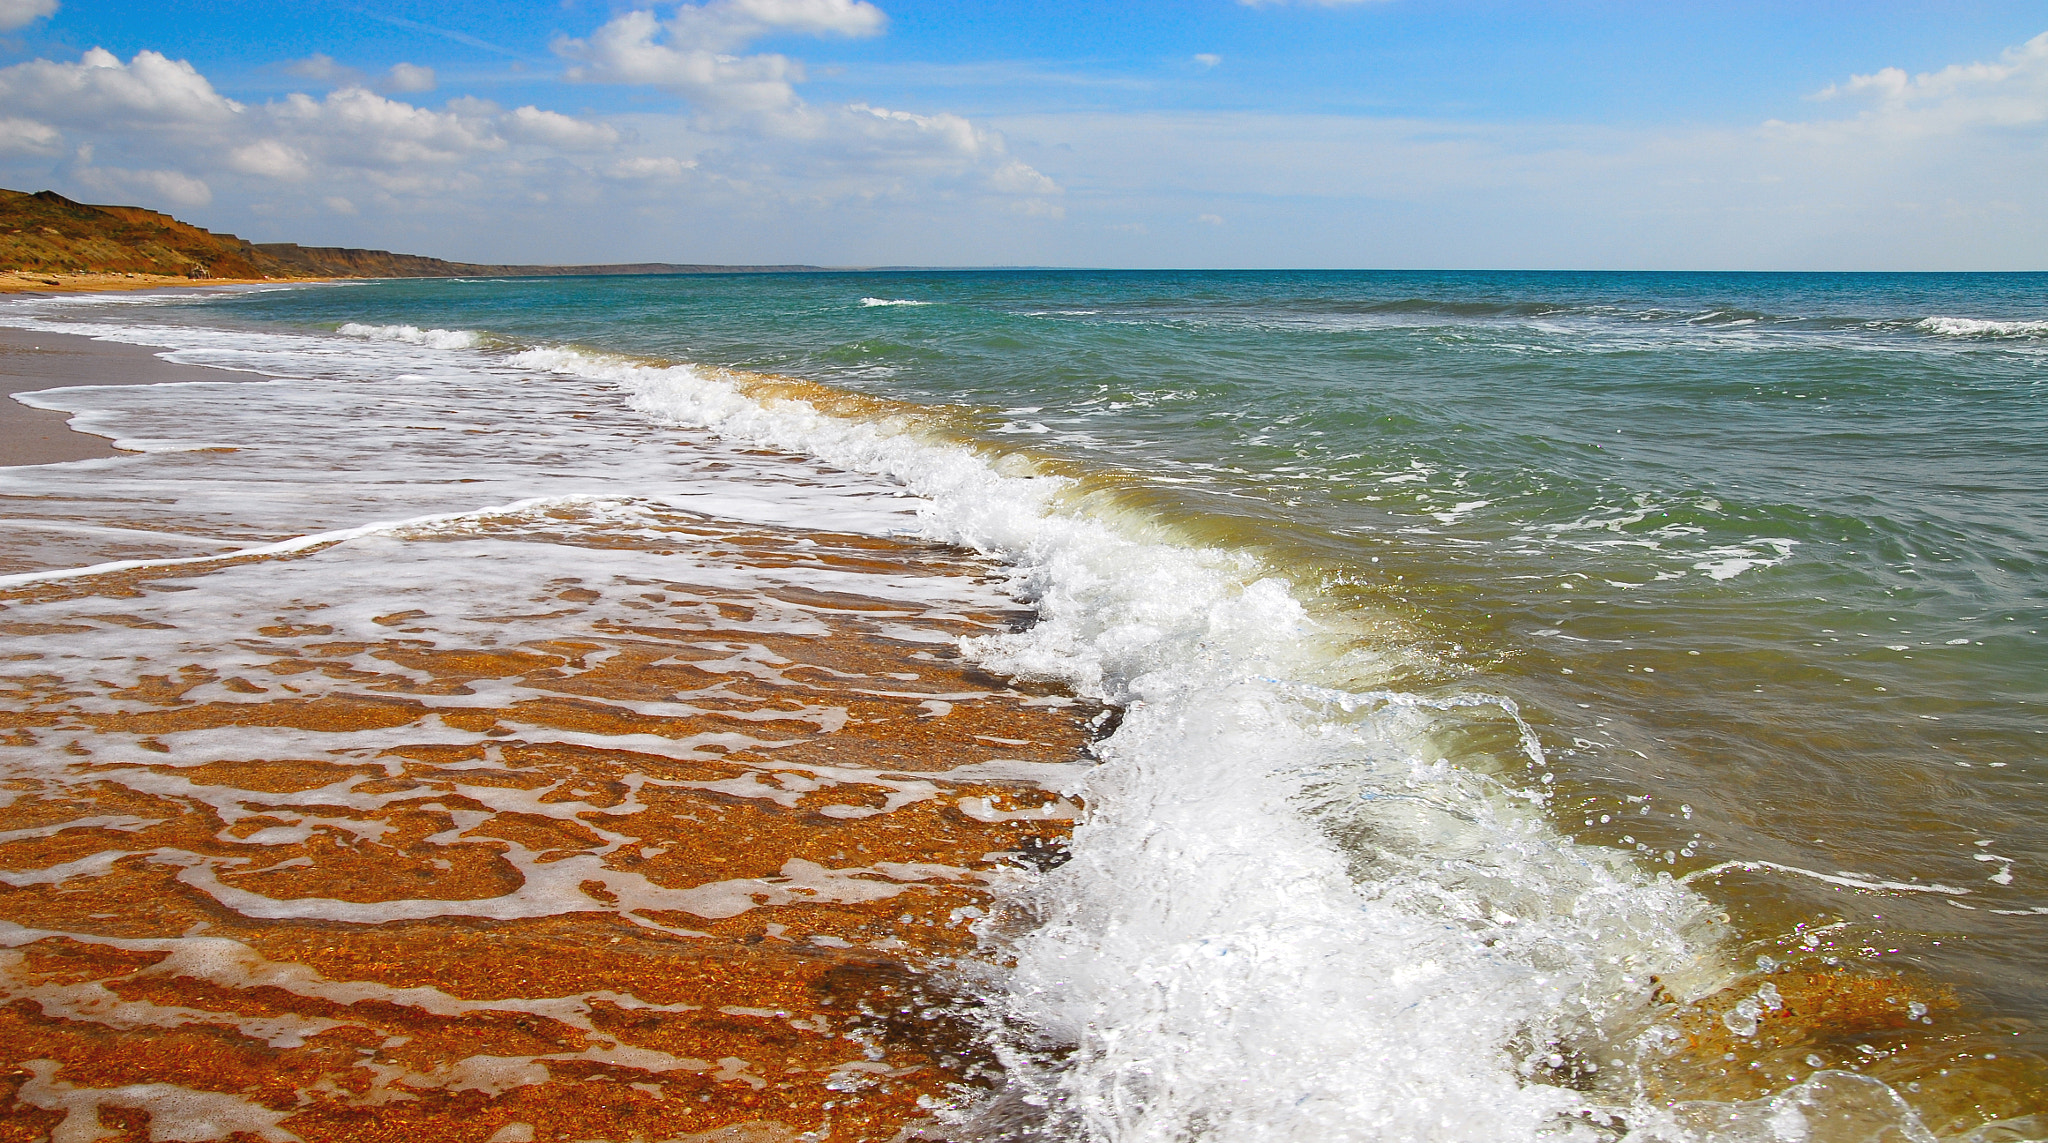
x=1977, y=327
x=414, y=335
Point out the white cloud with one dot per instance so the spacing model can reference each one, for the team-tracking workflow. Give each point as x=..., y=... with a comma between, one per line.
x=158, y=186
x=626, y=51
x=2012, y=91
x=692, y=53
x=339, y=205
x=409, y=77
x=21, y=13
x=99, y=90
x=291, y=138
x=1209, y=219
x=728, y=25
x=950, y=132
x=362, y=128
x=2026, y=60
x=1018, y=177
x=178, y=139
x=651, y=167
x=772, y=136
x=26, y=136
x=321, y=68
x=1207, y=59
x=270, y=159
x=562, y=132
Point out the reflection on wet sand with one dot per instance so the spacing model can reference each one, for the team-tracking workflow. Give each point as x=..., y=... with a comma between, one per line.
x=577, y=823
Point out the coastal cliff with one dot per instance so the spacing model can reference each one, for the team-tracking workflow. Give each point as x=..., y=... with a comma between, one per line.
x=46, y=233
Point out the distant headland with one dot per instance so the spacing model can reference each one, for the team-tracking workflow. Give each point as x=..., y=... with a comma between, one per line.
x=47, y=240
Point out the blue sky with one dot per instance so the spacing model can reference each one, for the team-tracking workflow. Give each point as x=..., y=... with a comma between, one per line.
x=1192, y=133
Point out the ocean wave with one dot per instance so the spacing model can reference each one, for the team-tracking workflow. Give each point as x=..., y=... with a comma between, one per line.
x=1977, y=327
x=414, y=335
x=1208, y=962
x=1223, y=956
x=892, y=302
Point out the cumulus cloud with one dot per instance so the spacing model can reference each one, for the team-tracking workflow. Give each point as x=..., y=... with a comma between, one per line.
x=157, y=186
x=692, y=52
x=270, y=159
x=636, y=49
x=651, y=167
x=752, y=100
x=563, y=132
x=321, y=68
x=2010, y=91
x=409, y=77
x=731, y=24
x=21, y=13
x=351, y=151
x=100, y=90
x=28, y=137
x=1018, y=177
x=175, y=133
x=366, y=129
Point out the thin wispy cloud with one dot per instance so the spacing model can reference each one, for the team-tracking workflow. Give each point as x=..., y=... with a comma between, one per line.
x=450, y=34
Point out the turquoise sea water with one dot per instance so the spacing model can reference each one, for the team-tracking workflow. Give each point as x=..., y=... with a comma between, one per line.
x=1760, y=561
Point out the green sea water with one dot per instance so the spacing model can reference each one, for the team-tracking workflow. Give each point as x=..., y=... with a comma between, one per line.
x=1762, y=560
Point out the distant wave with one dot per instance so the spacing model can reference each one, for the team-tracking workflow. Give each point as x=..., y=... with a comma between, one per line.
x=1973, y=327
x=414, y=335
x=891, y=302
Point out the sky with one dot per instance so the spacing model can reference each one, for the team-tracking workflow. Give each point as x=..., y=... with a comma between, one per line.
x=1652, y=134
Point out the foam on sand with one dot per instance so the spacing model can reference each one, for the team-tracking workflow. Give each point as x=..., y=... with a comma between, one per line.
x=1302, y=903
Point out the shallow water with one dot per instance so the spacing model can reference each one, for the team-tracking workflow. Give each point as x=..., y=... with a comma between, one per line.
x=1581, y=704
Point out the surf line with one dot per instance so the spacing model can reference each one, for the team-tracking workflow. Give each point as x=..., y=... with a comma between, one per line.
x=308, y=542
x=1844, y=879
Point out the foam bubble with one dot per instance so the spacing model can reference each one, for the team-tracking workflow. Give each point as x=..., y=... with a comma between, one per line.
x=1978, y=327
x=414, y=335
x=1285, y=916
x=891, y=302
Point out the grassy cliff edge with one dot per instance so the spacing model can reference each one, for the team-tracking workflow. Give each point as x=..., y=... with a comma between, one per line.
x=46, y=233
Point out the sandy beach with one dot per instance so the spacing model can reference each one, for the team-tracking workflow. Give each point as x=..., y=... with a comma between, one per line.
x=31, y=361
x=86, y=282
x=675, y=831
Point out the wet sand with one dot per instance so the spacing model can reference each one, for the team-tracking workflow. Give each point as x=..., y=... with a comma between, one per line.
x=682, y=831
x=38, y=282
x=31, y=361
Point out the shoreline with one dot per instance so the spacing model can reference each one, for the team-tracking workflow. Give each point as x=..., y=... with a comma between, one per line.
x=658, y=887
x=654, y=832
x=31, y=362
x=36, y=282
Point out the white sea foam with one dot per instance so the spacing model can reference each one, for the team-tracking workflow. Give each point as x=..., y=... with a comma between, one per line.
x=892, y=302
x=414, y=335
x=1977, y=327
x=1286, y=916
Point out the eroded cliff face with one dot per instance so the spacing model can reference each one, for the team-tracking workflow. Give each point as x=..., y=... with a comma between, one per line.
x=48, y=232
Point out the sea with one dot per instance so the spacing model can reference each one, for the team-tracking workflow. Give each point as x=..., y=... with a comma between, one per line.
x=1539, y=706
